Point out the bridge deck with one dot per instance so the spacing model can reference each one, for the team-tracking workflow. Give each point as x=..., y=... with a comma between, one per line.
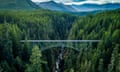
x=59, y=41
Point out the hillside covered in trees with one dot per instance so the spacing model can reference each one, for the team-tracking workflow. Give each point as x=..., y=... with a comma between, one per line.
x=16, y=25
x=106, y=56
x=17, y=4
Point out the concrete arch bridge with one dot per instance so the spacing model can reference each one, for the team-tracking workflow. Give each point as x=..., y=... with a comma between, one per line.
x=71, y=44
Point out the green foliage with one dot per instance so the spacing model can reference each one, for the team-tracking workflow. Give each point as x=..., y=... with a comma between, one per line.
x=16, y=25
x=5, y=66
x=101, y=66
x=19, y=64
x=102, y=57
x=35, y=59
x=17, y=4
x=1, y=69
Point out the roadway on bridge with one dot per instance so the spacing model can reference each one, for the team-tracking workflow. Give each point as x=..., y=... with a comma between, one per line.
x=60, y=41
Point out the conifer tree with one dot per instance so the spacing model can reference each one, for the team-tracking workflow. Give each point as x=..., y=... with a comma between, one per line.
x=100, y=67
x=35, y=59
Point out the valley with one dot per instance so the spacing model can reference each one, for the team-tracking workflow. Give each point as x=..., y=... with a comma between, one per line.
x=53, y=37
x=17, y=25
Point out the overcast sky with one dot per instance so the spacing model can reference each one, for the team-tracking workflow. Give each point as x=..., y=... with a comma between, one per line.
x=81, y=1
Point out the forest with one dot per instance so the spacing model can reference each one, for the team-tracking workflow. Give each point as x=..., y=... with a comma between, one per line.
x=16, y=25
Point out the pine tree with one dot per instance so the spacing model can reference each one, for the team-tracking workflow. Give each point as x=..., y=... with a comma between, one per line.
x=114, y=60
x=1, y=70
x=35, y=59
x=118, y=65
x=100, y=67
x=71, y=70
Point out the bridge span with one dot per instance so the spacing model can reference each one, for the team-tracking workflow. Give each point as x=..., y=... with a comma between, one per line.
x=60, y=41
x=73, y=44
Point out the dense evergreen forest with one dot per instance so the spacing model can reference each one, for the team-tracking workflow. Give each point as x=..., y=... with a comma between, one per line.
x=16, y=25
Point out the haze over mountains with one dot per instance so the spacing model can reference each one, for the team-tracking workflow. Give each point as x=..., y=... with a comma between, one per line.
x=51, y=5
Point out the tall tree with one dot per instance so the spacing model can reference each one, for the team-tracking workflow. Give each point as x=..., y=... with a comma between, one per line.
x=35, y=59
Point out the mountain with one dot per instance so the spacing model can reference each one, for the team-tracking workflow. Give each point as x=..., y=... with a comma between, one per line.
x=17, y=4
x=51, y=5
x=95, y=7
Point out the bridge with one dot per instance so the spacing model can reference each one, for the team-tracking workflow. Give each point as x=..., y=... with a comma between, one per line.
x=72, y=44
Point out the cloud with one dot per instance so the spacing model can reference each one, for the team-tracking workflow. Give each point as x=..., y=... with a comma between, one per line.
x=87, y=1
x=40, y=0
x=59, y=1
x=94, y=2
x=63, y=1
x=81, y=1
x=78, y=0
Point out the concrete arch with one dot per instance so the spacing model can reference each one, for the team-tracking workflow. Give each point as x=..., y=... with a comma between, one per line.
x=60, y=46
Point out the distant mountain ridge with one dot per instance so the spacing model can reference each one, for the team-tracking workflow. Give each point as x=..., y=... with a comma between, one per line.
x=95, y=7
x=17, y=4
x=51, y=5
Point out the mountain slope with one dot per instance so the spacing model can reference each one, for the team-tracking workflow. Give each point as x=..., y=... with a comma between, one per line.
x=106, y=27
x=17, y=4
x=51, y=5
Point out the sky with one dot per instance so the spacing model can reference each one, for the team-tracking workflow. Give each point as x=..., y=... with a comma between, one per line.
x=80, y=1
